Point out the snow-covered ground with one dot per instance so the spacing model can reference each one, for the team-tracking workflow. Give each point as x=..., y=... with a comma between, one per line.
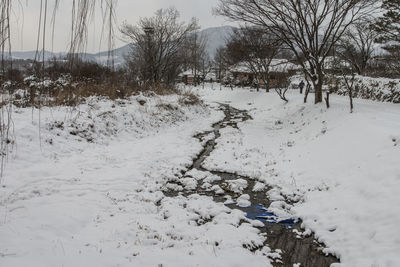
x=89, y=194
x=342, y=170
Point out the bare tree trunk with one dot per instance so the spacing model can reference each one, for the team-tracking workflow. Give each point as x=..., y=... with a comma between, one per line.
x=267, y=83
x=349, y=85
x=327, y=100
x=258, y=84
x=351, y=100
x=307, y=92
x=318, y=84
x=318, y=92
x=32, y=95
x=358, y=69
x=350, y=88
x=282, y=93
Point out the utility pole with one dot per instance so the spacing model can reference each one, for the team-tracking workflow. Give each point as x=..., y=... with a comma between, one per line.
x=149, y=31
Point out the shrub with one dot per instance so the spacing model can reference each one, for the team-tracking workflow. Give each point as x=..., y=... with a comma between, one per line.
x=189, y=99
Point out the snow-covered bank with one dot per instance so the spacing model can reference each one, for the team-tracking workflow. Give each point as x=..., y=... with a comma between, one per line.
x=90, y=194
x=342, y=168
x=379, y=89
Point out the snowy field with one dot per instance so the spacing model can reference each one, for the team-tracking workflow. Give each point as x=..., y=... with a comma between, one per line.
x=342, y=170
x=68, y=202
x=90, y=192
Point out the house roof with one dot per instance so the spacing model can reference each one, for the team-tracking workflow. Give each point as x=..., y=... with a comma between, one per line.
x=190, y=73
x=277, y=65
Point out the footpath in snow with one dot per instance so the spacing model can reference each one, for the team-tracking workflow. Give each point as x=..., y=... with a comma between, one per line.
x=340, y=171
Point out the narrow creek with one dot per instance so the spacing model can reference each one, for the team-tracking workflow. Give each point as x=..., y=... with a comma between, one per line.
x=281, y=235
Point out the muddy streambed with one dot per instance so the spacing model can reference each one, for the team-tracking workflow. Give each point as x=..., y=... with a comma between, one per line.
x=281, y=235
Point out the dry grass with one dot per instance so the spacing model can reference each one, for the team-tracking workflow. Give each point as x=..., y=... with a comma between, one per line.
x=159, y=89
x=165, y=106
x=189, y=98
x=76, y=93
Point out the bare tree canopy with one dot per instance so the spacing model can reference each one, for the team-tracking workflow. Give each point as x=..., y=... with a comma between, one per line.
x=195, y=55
x=357, y=46
x=255, y=47
x=157, y=44
x=220, y=62
x=308, y=27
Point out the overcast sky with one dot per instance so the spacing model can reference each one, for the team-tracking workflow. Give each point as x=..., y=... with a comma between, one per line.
x=26, y=17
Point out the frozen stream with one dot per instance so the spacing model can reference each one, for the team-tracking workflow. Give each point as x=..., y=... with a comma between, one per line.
x=280, y=234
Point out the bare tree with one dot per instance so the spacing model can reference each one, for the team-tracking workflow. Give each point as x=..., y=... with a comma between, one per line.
x=357, y=46
x=82, y=12
x=307, y=91
x=349, y=83
x=157, y=44
x=220, y=62
x=196, y=54
x=347, y=73
x=256, y=48
x=307, y=27
x=282, y=86
x=206, y=67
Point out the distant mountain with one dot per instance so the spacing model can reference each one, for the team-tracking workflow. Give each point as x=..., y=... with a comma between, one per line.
x=118, y=56
x=33, y=54
x=101, y=57
x=216, y=37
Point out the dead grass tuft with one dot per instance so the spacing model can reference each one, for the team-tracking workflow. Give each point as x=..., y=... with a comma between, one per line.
x=166, y=106
x=189, y=99
x=75, y=93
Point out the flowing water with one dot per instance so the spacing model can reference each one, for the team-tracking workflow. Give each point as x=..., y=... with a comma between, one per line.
x=280, y=234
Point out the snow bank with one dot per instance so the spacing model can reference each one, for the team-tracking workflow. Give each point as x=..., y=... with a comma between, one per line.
x=90, y=193
x=341, y=171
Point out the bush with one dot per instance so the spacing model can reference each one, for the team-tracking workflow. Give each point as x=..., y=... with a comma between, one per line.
x=379, y=89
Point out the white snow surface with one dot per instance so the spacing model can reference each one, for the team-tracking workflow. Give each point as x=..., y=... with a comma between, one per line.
x=90, y=192
x=342, y=170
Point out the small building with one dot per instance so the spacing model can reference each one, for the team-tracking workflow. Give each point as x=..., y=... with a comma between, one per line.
x=210, y=77
x=244, y=76
x=189, y=77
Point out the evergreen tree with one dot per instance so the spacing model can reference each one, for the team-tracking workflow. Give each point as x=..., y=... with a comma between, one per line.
x=388, y=29
x=388, y=26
